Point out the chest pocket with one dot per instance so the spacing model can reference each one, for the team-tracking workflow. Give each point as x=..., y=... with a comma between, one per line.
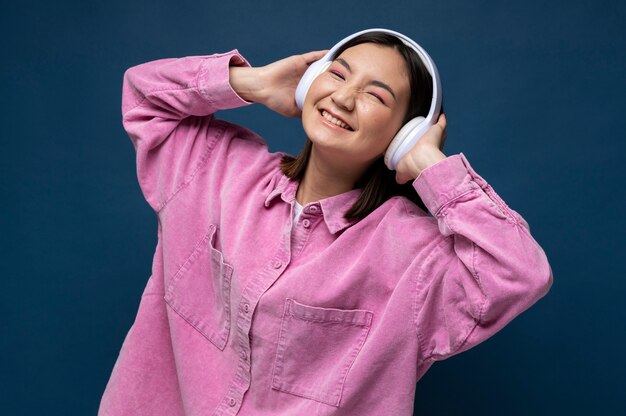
x=200, y=290
x=316, y=348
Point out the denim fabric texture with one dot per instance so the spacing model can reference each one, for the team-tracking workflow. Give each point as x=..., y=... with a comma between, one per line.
x=246, y=315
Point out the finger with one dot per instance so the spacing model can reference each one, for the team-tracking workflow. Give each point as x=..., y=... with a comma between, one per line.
x=444, y=136
x=297, y=113
x=400, y=178
x=313, y=56
x=442, y=143
x=442, y=121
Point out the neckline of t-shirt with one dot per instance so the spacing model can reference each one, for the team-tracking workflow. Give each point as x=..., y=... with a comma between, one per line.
x=297, y=210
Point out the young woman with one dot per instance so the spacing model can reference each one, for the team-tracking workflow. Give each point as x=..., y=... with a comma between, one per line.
x=316, y=285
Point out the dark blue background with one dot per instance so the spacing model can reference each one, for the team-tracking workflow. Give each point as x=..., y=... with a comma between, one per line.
x=534, y=92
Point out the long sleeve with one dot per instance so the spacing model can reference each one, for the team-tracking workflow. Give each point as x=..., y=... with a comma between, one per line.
x=167, y=106
x=486, y=271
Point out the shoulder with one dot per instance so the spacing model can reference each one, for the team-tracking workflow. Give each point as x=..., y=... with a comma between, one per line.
x=235, y=132
x=398, y=234
x=401, y=208
x=241, y=156
x=236, y=143
x=401, y=217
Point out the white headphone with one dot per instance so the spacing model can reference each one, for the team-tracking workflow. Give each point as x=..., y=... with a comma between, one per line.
x=415, y=128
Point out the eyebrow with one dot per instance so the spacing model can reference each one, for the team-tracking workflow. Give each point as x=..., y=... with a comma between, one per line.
x=377, y=83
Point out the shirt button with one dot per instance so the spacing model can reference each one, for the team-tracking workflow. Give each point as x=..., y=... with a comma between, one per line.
x=306, y=223
x=232, y=402
x=243, y=355
x=313, y=209
x=277, y=264
x=246, y=307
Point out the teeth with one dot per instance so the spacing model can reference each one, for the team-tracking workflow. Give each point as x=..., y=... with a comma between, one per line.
x=335, y=120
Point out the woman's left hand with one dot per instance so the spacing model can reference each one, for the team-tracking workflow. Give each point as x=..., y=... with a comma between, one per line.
x=426, y=152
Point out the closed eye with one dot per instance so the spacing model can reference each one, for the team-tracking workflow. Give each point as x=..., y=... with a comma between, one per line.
x=377, y=97
x=337, y=74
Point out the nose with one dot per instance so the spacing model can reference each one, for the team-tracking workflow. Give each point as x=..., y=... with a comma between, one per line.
x=343, y=97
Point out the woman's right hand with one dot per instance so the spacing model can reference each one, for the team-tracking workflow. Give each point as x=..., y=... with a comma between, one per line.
x=273, y=85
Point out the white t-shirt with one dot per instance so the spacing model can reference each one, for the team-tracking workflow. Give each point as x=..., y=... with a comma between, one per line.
x=297, y=210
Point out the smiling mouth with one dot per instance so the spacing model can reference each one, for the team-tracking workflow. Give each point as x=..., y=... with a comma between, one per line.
x=334, y=120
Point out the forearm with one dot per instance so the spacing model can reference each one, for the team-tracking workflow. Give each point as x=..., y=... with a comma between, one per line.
x=177, y=87
x=167, y=106
x=490, y=271
x=428, y=159
x=245, y=81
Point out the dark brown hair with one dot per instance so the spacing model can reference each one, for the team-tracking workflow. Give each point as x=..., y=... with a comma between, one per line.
x=378, y=182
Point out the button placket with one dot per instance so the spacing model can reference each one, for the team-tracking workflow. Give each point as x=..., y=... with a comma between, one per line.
x=251, y=294
x=241, y=382
x=313, y=209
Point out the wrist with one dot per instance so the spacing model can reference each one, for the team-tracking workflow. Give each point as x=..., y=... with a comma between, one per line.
x=245, y=81
x=426, y=160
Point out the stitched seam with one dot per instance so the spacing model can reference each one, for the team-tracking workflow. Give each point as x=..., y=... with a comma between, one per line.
x=191, y=258
x=351, y=321
x=318, y=397
x=215, y=340
x=406, y=207
x=196, y=82
x=330, y=321
x=145, y=97
x=191, y=86
x=201, y=163
x=355, y=352
x=305, y=239
x=481, y=309
x=152, y=294
x=491, y=193
x=420, y=277
x=445, y=204
x=279, y=357
x=330, y=396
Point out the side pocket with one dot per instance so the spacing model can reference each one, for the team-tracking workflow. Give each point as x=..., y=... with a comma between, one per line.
x=316, y=348
x=200, y=290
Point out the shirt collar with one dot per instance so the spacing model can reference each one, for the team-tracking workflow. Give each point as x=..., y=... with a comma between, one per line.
x=332, y=207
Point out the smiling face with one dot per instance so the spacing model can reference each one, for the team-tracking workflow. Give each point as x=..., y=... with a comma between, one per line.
x=353, y=110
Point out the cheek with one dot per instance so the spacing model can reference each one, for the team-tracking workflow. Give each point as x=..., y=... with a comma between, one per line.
x=307, y=112
x=370, y=114
x=320, y=87
x=380, y=120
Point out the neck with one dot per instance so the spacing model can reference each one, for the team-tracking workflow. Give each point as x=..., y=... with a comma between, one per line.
x=323, y=179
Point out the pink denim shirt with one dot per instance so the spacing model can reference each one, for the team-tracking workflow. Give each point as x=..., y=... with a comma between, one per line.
x=243, y=316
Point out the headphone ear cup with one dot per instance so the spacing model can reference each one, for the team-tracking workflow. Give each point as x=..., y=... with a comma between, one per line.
x=402, y=142
x=307, y=79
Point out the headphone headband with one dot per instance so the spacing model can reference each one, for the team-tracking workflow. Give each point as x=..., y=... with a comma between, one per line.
x=415, y=128
x=424, y=56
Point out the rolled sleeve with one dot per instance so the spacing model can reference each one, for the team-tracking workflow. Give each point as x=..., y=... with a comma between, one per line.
x=213, y=80
x=446, y=180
